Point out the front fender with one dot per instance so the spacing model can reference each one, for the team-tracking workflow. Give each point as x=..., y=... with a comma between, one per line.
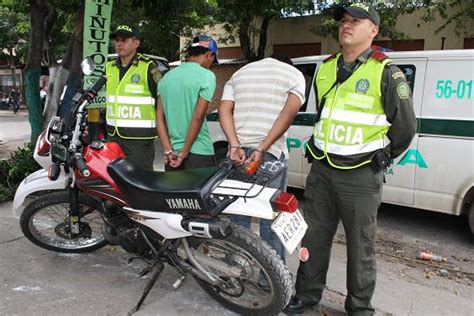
x=35, y=182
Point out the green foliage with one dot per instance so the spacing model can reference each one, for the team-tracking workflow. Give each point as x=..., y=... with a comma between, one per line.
x=14, y=29
x=14, y=169
x=162, y=23
x=454, y=12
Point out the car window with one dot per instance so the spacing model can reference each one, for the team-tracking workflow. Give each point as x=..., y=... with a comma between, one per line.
x=308, y=73
x=409, y=71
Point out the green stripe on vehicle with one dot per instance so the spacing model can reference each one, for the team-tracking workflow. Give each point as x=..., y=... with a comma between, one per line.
x=446, y=127
x=443, y=127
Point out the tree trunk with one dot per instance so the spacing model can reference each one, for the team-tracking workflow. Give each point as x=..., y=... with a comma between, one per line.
x=33, y=68
x=56, y=79
x=262, y=43
x=69, y=72
x=254, y=53
x=244, y=38
x=72, y=64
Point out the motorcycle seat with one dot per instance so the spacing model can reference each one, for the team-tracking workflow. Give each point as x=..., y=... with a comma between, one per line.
x=174, y=191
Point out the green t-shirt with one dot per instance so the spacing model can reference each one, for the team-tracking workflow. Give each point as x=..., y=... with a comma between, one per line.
x=179, y=91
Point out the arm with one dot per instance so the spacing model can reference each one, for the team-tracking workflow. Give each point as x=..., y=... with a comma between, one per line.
x=226, y=119
x=398, y=106
x=153, y=77
x=163, y=129
x=281, y=125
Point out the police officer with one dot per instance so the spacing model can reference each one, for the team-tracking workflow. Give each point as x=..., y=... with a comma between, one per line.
x=366, y=118
x=131, y=93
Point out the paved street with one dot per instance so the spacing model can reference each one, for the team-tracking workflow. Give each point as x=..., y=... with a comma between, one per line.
x=40, y=282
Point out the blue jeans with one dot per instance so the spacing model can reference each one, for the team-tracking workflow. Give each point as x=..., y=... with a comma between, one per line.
x=279, y=182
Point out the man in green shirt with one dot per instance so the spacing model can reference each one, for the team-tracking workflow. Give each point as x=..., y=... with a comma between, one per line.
x=183, y=99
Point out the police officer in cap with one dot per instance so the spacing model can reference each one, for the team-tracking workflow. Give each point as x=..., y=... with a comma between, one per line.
x=365, y=118
x=131, y=93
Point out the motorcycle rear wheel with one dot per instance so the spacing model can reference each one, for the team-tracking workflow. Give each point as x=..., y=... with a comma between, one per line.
x=45, y=223
x=265, y=286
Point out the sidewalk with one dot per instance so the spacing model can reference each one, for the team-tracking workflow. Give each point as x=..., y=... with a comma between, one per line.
x=37, y=281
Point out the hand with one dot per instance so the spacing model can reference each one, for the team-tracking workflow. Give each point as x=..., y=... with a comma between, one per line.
x=257, y=155
x=237, y=156
x=176, y=160
x=168, y=155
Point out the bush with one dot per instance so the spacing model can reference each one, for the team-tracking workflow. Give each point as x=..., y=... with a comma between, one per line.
x=14, y=169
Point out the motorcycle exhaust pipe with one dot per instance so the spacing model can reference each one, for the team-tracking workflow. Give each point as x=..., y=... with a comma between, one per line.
x=207, y=229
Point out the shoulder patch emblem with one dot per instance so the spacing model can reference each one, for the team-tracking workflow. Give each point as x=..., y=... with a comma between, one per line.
x=403, y=90
x=397, y=75
x=362, y=86
x=135, y=78
x=156, y=74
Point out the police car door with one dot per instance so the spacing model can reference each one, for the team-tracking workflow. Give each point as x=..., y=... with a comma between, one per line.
x=301, y=129
x=446, y=145
x=400, y=176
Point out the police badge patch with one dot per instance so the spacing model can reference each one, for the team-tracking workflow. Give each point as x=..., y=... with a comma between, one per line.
x=362, y=86
x=403, y=90
x=135, y=78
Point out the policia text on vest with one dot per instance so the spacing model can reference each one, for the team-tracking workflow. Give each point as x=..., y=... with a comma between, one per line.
x=335, y=126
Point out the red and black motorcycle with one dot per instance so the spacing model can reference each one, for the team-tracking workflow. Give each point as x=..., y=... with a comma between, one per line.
x=95, y=196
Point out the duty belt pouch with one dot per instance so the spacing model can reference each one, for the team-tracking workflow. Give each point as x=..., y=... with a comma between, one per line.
x=307, y=153
x=380, y=161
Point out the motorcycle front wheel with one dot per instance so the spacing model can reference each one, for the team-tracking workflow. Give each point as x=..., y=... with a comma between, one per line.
x=264, y=285
x=45, y=222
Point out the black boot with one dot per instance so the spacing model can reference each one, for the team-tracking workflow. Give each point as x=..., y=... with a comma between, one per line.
x=296, y=306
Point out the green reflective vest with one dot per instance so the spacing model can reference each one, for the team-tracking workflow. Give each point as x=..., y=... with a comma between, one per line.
x=131, y=110
x=353, y=122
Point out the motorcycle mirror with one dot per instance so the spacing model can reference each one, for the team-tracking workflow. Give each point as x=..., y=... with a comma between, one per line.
x=88, y=66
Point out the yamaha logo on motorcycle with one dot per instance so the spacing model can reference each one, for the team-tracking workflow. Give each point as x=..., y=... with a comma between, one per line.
x=188, y=204
x=178, y=218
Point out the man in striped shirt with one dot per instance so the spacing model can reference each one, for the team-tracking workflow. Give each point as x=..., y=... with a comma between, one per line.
x=258, y=106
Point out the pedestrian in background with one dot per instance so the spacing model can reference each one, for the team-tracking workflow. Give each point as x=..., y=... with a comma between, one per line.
x=183, y=100
x=365, y=118
x=14, y=99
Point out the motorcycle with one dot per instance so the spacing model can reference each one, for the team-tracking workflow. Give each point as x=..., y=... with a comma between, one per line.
x=89, y=195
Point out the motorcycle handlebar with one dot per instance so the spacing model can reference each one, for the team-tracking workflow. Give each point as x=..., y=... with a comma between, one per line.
x=98, y=85
x=81, y=165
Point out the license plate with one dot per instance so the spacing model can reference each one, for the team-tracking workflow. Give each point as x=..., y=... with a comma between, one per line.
x=290, y=228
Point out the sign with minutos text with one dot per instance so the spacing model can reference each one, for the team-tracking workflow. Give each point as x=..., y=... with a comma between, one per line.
x=97, y=16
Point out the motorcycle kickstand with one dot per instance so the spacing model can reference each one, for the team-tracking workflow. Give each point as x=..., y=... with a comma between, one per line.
x=158, y=269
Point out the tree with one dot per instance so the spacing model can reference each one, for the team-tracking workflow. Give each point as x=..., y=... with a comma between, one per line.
x=250, y=19
x=454, y=12
x=14, y=28
x=163, y=22
x=33, y=67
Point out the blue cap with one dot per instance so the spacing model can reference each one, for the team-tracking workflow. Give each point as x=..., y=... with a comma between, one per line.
x=207, y=42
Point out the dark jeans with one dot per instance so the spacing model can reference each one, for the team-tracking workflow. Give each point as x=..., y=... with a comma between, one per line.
x=266, y=233
x=354, y=197
x=139, y=151
x=194, y=161
x=15, y=106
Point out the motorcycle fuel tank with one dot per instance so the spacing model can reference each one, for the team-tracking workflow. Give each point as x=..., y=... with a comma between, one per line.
x=97, y=158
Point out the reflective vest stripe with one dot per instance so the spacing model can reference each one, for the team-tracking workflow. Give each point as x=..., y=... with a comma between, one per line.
x=346, y=150
x=131, y=100
x=132, y=123
x=356, y=117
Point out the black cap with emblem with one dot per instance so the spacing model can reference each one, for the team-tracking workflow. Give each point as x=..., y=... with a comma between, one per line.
x=125, y=31
x=358, y=10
